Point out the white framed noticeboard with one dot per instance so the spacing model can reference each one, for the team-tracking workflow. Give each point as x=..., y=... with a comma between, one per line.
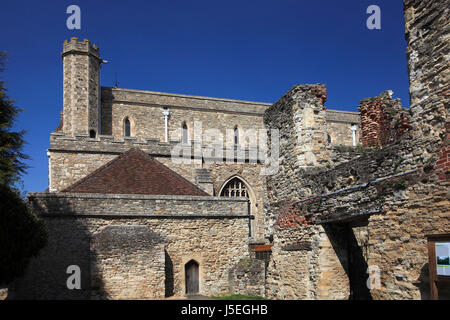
x=442, y=258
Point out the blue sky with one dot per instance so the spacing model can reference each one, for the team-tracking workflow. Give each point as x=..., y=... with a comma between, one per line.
x=249, y=50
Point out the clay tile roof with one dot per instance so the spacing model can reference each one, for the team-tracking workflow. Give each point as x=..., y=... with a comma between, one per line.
x=135, y=172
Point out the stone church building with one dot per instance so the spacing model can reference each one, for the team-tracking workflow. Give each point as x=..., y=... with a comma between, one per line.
x=155, y=194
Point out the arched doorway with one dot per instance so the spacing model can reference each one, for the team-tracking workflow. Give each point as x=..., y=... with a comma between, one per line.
x=191, y=275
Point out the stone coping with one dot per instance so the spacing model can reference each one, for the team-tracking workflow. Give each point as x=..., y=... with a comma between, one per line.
x=121, y=215
x=187, y=96
x=131, y=196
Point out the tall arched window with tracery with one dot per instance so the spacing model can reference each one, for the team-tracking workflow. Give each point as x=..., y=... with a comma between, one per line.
x=235, y=188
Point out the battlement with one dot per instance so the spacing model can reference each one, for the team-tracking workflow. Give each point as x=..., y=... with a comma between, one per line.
x=80, y=47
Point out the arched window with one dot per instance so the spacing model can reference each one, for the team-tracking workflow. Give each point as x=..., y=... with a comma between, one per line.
x=127, y=127
x=236, y=135
x=185, y=133
x=235, y=188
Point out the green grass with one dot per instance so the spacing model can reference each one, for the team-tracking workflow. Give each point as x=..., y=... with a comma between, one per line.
x=237, y=297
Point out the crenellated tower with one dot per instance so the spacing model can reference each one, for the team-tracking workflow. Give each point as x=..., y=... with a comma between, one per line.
x=81, y=88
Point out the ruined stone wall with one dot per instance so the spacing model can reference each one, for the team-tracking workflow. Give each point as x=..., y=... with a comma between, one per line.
x=299, y=117
x=383, y=202
x=397, y=193
x=426, y=31
x=383, y=121
x=304, y=263
x=135, y=247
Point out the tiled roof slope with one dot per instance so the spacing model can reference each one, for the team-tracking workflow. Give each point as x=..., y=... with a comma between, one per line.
x=135, y=172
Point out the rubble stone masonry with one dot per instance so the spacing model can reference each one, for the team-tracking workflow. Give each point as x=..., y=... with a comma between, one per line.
x=136, y=247
x=377, y=208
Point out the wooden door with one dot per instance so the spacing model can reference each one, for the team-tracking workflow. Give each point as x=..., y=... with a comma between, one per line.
x=191, y=272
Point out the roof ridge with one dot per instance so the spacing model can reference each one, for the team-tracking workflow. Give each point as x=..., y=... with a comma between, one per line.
x=98, y=170
x=162, y=170
x=167, y=169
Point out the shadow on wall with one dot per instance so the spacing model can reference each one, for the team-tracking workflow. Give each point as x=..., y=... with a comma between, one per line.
x=120, y=261
x=46, y=276
x=127, y=262
x=168, y=270
x=351, y=257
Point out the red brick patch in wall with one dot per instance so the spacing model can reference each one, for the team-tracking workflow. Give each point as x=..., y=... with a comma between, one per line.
x=290, y=215
x=320, y=91
x=383, y=121
x=442, y=166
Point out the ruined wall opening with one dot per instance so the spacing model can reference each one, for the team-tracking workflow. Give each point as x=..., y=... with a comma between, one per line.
x=358, y=254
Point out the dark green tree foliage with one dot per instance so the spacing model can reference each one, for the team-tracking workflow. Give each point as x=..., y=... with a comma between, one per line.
x=22, y=234
x=11, y=143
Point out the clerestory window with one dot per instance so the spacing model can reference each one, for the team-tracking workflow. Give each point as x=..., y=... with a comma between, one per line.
x=185, y=133
x=127, y=127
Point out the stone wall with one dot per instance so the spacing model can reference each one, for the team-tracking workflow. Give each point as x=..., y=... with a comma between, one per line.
x=248, y=275
x=144, y=109
x=213, y=113
x=73, y=158
x=135, y=247
x=81, y=92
